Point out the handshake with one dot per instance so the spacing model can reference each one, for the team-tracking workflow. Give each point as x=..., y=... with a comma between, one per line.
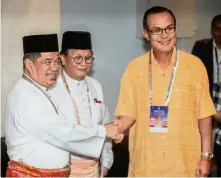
x=114, y=130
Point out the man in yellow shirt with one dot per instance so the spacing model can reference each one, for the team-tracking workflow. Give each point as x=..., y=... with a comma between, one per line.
x=172, y=85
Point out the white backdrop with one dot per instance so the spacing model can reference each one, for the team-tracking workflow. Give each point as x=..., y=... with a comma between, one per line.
x=20, y=18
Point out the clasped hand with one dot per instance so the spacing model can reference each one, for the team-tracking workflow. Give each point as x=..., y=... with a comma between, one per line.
x=115, y=131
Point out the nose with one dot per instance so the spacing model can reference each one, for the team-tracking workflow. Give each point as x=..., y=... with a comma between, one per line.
x=83, y=63
x=164, y=34
x=55, y=66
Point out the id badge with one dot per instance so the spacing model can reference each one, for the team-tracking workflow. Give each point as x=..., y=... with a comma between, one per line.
x=158, y=119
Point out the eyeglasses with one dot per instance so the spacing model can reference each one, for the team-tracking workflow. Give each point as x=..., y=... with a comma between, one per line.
x=87, y=59
x=217, y=29
x=159, y=31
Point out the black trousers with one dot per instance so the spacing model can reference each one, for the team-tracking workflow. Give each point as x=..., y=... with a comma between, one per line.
x=217, y=154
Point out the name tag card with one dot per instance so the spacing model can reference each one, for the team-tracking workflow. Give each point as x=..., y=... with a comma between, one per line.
x=158, y=119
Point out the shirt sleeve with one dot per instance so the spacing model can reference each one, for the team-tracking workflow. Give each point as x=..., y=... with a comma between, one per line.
x=205, y=106
x=44, y=124
x=107, y=153
x=126, y=99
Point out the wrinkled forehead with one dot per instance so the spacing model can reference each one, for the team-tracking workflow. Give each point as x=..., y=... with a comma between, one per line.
x=161, y=20
x=49, y=55
x=82, y=52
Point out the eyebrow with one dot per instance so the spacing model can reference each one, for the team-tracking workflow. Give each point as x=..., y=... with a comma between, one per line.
x=86, y=55
x=165, y=27
x=48, y=59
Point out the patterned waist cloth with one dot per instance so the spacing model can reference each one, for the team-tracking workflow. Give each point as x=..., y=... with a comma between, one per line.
x=18, y=169
x=85, y=168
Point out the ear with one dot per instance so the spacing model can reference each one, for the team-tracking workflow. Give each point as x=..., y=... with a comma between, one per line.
x=63, y=59
x=28, y=64
x=146, y=35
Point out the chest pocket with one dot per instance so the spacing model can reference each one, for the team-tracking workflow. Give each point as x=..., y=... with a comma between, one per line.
x=183, y=97
x=97, y=110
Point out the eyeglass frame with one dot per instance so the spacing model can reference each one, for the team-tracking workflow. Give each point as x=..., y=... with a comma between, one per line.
x=82, y=58
x=216, y=29
x=163, y=29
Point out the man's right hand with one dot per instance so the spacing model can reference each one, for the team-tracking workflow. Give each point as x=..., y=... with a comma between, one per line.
x=112, y=130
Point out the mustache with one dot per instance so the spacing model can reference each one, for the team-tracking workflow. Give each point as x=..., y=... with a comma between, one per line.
x=52, y=73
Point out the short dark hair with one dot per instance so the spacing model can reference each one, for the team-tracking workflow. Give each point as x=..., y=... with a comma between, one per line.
x=156, y=10
x=217, y=18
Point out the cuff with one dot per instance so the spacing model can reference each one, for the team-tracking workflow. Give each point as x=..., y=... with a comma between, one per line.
x=101, y=131
x=106, y=164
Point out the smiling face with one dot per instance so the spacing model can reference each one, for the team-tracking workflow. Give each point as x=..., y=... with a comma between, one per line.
x=77, y=63
x=161, y=43
x=44, y=69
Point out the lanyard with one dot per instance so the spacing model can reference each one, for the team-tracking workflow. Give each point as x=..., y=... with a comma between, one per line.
x=73, y=101
x=217, y=63
x=170, y=83
x=30, y=81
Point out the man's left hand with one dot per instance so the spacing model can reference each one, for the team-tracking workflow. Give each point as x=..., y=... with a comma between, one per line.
x=203, y=168
x=105, y=171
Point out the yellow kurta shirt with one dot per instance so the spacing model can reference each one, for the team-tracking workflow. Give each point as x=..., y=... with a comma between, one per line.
x=176, y=152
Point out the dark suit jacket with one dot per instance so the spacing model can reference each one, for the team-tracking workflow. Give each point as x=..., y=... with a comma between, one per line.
x=204, y=50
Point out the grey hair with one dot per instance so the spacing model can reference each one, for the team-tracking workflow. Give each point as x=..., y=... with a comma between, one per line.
x=31, y=56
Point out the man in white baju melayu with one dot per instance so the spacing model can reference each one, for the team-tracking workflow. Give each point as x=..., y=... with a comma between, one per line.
x=80, y=98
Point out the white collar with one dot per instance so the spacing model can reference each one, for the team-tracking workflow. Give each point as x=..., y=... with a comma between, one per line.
x=214, y=46
x=72, y=82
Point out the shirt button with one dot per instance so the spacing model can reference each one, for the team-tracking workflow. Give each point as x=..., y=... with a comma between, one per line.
x=163, y=137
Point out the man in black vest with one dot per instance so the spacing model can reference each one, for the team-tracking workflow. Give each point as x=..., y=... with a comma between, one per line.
x=209, y=51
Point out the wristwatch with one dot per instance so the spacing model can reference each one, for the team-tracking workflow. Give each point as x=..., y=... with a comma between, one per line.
x=207, y=155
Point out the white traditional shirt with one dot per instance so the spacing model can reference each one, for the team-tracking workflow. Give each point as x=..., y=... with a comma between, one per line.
x=91, y=107
x=37, y=136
